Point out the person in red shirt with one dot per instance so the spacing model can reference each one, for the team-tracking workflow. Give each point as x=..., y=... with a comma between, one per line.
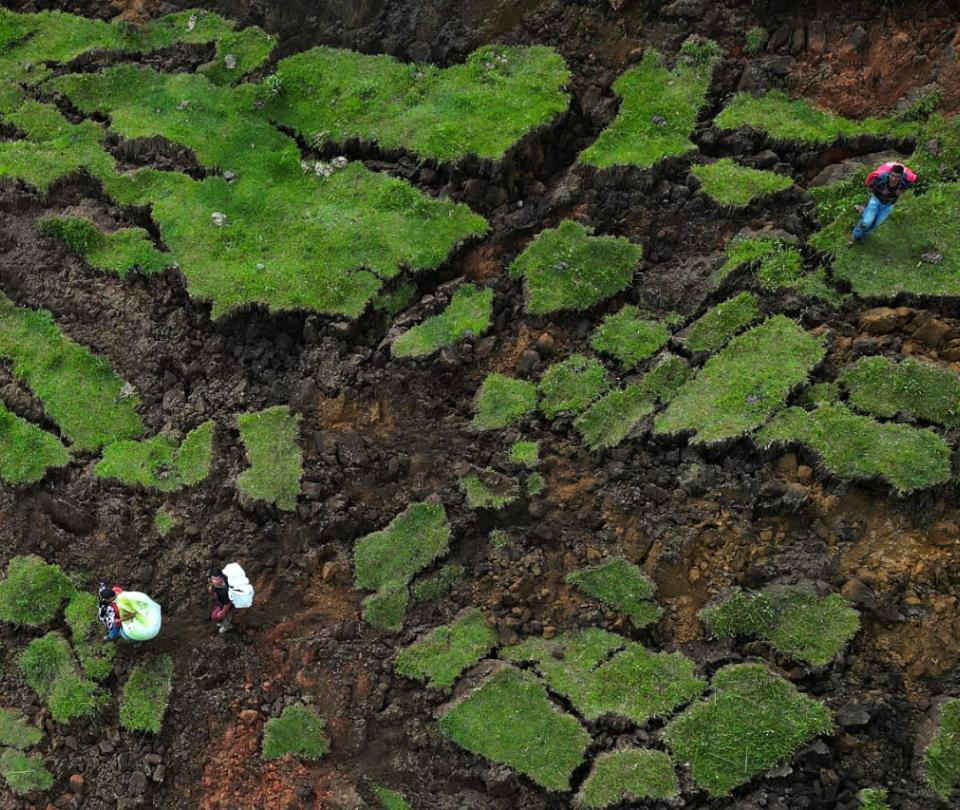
x=885, y=189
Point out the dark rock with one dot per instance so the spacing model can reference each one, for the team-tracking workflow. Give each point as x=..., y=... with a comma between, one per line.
x=528, y=361
x=138, y=783
x=853, y=715
x=65, y=514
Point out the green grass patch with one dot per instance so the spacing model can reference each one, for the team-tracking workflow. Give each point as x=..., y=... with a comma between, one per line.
x=714, y=329
x=854, y=446
x=819, y=394
x=49, y=669
x=658, y=112
x=629, y=337
x=276, y=462
x=163, y=522
x=752, y=721
x=390, y=799
x=525, y=453
x=536, y=484
x=796, y=623
x=24, y=774
x=739, y=388
x=610, y=419
x=746, y=250
x=566, y=268
x=479, y=108
x=120, y=252
x=145, y=695
x=73, y=697
x=16, y=731
x=33, y=591
x=488, y=489
x=666, y=378
x=883, y=387
x=431, y=588
x=755, y=39
x=622, y=586
x=26, y=451
x=510, y=720
x=387, y=608
x=158, y=463
x=79, y=390
x=468, y=314
x=941, y=760
x=629, y=775
x=298, y=731
x=503, y=401
x=729, y=183
x=873, y=799
x=570, y=386
x=445, y=652
x=95, y=655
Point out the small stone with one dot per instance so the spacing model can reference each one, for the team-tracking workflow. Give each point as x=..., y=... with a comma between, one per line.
x=546, y=344
x=249, y=716
x=219, y=219
x=658, y=121
x=804, y=474
x=932, y=257
x=106, y=747
x=138, y=783
x=230, y=61
x=76, y=783
x=339, y=162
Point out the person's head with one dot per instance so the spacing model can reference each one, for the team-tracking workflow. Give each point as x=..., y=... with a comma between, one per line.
x=106, y=593
x=215, y=577
x=896, y=174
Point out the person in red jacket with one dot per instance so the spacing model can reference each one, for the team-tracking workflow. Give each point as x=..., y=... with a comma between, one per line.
x=885, y=189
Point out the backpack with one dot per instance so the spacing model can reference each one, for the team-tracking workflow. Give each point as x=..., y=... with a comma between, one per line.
x=885, y=167
x=239, y=589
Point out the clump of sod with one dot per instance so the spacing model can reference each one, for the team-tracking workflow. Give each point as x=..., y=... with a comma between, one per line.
x=622, y=586
x=571, y=385
x=26, y=451
x=503, y=401
x=298, y=731
x=629, y=775
x=159, y=463
x=145, y=695
x=629, y=337
x=468, y=314
x=941, y=760
x=731, y=184
x=712, y=330
x=276, y=462
x=446, y=651
x=32, y=591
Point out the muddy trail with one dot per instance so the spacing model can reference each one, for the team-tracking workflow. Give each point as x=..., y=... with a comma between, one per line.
x=380, y=432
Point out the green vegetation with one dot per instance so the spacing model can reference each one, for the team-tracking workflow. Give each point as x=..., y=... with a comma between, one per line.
x=714, y=329
x=478, y=108
x=536, y=484
x=941, y=760
x=622, y=586
x=79, y=390
x=629, y=775
x=610, y=419
x=657, y=113
x=158, y=463
x=446, y=651
x=747, y=250
x=873, y=799
x=95, y=655
x=667, y=377
x=26, y=451
x=525, y=453
x=752, y=722
x=431, y=588
x=49, y=669
x=32, y=591
x=853, y=446
x=390, y=799
x=119, y=252
x=729, y=183
x=16, y=731
x=387, y=608
x=570, y=386
x=487, y=489
x=467, y=315
x=566, y=268
x=796, y=623
x=24, y=774
x=755, y=40
x=819, y=394
x=276, y=462
x=503, y=401
x=884, y=388
x=741, y=386
x=163, y=522
x=298, y=731
x=509, y=719
x=778, y=265
x=145, y=695
x=72, y=697
x=628, y=337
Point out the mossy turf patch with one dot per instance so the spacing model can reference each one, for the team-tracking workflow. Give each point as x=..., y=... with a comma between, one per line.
x=95, y=655
x=32, y=591
x=941, y=760
x=856, y=447
x=298, y=731
x=387, y=608
x=609, y=420
x=536, y=484
x=16, y=731
x=158, y=463
x=714, y=328
x=740, y=387
x=629, y=337
x=752, y=721
x=390, y=799
x=571, y=385
x=468, y=314
x=819, y=394
x=566, y=268
x=270, y=438
x=629, y=775
x=622, y=586
x=433, y=587
x=747, y=250
x=883, y=387
x=24, y=774
x=120, y=252
x=446, y=651
x=79, y=390
x=163, y=522
x=873, y=799
x=658, y=112
x=488, y=489
x=778, y=265
x=662, y=382
x=796, y=623
x=26, y=451
x=478, y=108
x=510, y=720
x=145, y=695
x=503, y=401
x=49, y=669
x=525, y=453
x=729, y=183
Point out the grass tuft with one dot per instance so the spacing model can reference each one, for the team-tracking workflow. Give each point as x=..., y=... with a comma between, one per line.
x=26, y=451
x=49, y=669
x=390, y=799
x=610, y=419
x=622, y=586
x=468, y=315
x=298, y=731
x=729, y=183
x=387, y=608
x=570, y=386
x=33, y=591
x=158, y=463
x=666, y=378
x=432, y=588
x=503, y=401
x=873, y=799
x=24, y=774
x=629, y=775
x=120, y=252
x=446, y=651
x=488, y=489
x=525, y=453
x=95, y=655
x=941, y=760
x=276, y=462
x=163, y=522
x=145, y=695
x=883, y=387
x=629, y=337
x=714, y=329
x=16, y=731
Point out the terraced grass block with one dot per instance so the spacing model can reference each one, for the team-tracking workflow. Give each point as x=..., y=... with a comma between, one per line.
x=714, y=329
x=73, y=697
x=24, y=774
x=571, y=385
x=503, y=401
x=739, y=388
x=120, y=252
x=819, y=394
x=526, y=453
x=276, y=462
x=387, y=608
x=629, y=775
x=796, y=623
x=26, y=451
x=16, y=731
x=298, y=731
x=33, y=591
x=481, y=107
x=658, y=112
x=666, y=378
x=629, y=337
x=510, y=720
x=752, y=721
x=390, y=799
x=858, y=447
x=488, y=489
x=49, y=669
x=610, y=419
x=95, y=655
x=873, y=799
x=746, y=250
x=163, y=522
x=431, y=588
x=468, y=314
x=729, y=183
x=445, y=652
x=622, y=586
x=238, y=53
x=145, y=695
x=566, y=268
x=941, y=760
x=883, y=387
x=158, y=463
x=79, y=390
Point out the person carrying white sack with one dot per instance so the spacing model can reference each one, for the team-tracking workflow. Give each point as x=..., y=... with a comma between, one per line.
x=232, y=589
x=130, y=615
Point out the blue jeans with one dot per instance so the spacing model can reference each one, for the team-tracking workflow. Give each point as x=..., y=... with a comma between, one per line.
x=874, y=214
